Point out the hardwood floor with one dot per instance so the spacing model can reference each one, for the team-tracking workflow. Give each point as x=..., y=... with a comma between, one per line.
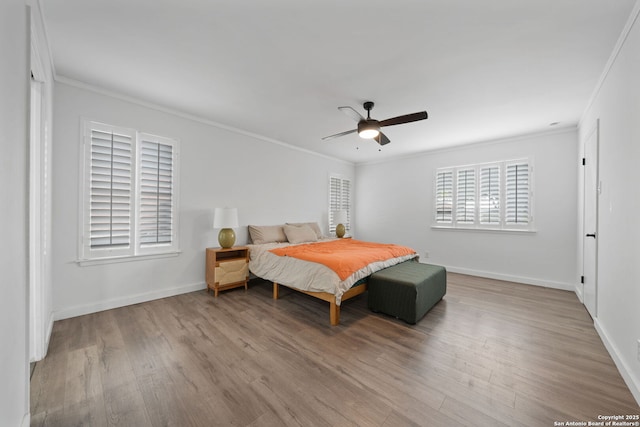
x=490, y=354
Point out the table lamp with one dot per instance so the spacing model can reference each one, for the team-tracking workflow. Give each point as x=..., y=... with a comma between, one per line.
x=340, y=218
x=225, y=219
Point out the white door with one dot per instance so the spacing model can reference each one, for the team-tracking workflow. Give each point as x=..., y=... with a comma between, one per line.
x=40, y=303
x=590, y=223
x=37, y=332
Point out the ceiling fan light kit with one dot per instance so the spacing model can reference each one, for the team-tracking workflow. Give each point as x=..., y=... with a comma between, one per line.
x=370, y=128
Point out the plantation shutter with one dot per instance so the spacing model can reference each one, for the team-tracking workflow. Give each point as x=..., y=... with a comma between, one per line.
x=466, y=196
x=490, y=195
x=517, y=193
x=346, y=201
x=334, y=200
x=110, y=188
x=155, y=215
x=339, y=199
x=129, y=194
x=444, y=196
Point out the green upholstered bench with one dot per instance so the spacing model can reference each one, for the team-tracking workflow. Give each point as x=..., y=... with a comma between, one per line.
x=407, y=290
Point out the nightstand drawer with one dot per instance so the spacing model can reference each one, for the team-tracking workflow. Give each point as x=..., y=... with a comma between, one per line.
x=231, y=271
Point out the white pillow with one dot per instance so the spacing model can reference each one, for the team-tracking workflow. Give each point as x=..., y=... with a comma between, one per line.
x=314, y=226
x=261, y=234
x=300, y=234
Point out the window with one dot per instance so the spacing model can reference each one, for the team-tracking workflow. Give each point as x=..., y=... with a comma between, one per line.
x=517, y=193
x=129, y=193
x=444, y=196
x=155, y=191
x=466, y=196
x=485, y=196
x=109, y=184
x=490, y=195
x=339, y=199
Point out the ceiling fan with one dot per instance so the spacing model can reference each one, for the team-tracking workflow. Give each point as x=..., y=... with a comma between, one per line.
x=370, y=128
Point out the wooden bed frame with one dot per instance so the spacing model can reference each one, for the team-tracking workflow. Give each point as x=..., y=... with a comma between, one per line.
x=334, y=309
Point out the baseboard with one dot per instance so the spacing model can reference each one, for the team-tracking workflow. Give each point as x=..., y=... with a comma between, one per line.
x=632, y=382
x=578, y=291
x=47, y=337
x=81, y=310
x=511, y=278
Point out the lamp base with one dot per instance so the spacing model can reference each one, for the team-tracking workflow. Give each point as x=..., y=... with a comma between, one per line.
x=226, y=238
x=340, y=230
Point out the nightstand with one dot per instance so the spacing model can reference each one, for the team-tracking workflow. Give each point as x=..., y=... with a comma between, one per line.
x=227, y=268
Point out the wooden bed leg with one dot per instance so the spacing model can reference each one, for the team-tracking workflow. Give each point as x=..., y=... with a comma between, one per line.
x=334, y=313
x=275, y=290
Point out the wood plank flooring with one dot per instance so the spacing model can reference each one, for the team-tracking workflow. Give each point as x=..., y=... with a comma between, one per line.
x=490, y=354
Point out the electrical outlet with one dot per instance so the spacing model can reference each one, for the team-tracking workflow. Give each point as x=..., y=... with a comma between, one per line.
x=426, y=254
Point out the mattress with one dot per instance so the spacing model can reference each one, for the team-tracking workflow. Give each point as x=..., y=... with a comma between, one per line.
x=309, y=276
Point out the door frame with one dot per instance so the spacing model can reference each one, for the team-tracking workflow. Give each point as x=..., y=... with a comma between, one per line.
x=595, y=162
x=40, y=156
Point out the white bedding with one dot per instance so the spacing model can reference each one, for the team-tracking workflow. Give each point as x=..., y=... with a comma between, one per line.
x=305, y=275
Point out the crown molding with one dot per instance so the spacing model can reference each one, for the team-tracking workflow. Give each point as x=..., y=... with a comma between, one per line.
x=475, y=144
x=633, y=18
x=174, y=112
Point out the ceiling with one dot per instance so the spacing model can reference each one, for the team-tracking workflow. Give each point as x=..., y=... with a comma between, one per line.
x=280, y=68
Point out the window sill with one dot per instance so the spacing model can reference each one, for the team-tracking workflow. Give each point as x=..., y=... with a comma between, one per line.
x=125, y=258
x=485, y=230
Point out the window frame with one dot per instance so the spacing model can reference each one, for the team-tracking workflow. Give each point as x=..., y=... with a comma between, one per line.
x=500, y=197
x=510, y=224
x=88, y=255
x=469, y=212
x=342, y=179
x=501, y=224
x=158, y=248
x=443, y=206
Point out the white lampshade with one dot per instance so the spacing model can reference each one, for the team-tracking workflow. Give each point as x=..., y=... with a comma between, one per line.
x=340, y=217
x=225, y=218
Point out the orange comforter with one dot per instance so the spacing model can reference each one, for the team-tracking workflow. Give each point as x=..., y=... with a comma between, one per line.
x=344, y=256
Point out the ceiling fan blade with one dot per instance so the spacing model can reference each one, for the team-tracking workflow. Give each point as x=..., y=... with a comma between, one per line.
x=339, y=134
x=407, y=118
x=382, y=139
x=351, y=113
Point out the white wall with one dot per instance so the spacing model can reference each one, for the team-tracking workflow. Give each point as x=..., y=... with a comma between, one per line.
x=394, y=201
x=617, y=105
x=269, y=184
x=14, y=86
x=41, y=297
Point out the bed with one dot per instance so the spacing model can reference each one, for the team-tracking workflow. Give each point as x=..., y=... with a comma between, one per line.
x=299, y=257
